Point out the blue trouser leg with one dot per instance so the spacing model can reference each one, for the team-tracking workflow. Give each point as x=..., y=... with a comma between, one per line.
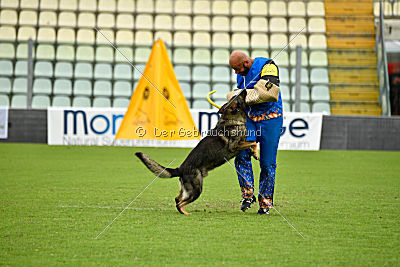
x=269, y=140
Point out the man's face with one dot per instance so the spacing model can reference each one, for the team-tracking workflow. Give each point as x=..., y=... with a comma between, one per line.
x=241, y=69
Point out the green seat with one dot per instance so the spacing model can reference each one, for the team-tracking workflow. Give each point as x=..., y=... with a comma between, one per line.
x=45, y=52
x=102, y=71
x=63, y=70
x=123, y=72
x=82, y=88
x=40, y=102
x=122, y=88
x=4, y=100
x=102, y=88
x=81, y=101
x=222, y=89
x=65, y=52
x=21, y=68
x=5, y=85
x=186, y=90
x=18, y=101
x=200, y=104
x=85, y=53
x=42, y=86
x=61, y=101
x=121, y=102
x=43, y=69
x=20, y=86
x=62, y=87
x=101, y=102
x=6, y=68
x=83, y=70
x=7, y=51
x=22, y=51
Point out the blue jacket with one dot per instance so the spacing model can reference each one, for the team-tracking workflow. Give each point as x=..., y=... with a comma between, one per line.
x=252, y=77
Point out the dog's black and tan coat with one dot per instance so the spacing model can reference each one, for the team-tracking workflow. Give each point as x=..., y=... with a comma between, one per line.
x=221, y=144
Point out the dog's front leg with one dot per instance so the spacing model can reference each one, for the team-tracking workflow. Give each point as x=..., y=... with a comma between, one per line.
x=252, y=146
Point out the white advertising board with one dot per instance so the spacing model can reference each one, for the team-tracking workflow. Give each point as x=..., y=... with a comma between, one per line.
x=98, y=126
x=3, y=122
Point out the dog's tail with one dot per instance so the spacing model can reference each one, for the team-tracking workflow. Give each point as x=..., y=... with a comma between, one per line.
x=156, y=168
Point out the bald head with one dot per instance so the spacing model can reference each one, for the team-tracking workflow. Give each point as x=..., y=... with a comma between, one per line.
x=240, y=62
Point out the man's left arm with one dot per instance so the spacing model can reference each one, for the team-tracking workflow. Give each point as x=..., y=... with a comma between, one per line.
x=270, y=72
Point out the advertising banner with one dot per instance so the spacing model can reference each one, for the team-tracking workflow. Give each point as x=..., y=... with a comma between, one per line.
x=3, y=122
x=98, y=126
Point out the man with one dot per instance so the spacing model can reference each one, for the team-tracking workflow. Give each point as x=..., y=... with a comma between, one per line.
x=264, y=125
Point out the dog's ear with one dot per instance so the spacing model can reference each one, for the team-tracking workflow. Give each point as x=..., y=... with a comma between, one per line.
x=222, y=109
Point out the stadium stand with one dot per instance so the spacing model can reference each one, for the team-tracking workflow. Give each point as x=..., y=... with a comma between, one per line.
x=76, y=66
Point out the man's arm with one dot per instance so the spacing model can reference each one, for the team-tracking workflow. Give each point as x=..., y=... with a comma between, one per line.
x=270, y=72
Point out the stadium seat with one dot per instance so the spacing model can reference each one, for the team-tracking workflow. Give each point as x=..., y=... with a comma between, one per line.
x=316, y=9
x=278, y=24
x=67, y=19
x=144, y=6
x=182, y=22
x=82, y=87
x=137, y=72
x=40, y=102
x=42, y=86
x=318, y=58
x=124, y=37
x=239, y=8
x=321, y=107
x=320, y=92
x=48, y=5
x=121, y=102
x=298, y=40
x=220, y=7
x=201, y=104
x=201, y=23
x=68, y=5
x=286, y=106
x=122, y=88
x=166, y=36
x=201, y=74
x=18, y=101
x=182, y=56
x=183, y=7
x=101, y=102
x=81, y=101
x=9, y=4
x=296, y=25
x=125, y=21
x=259, y=40
x=21, y=68
x=317, y=41
x=61, y=101
x=22, y=51
x=304, y=93
x=104, y=54
x=142, y=54
x=182, y=73
x=20, y=86
x=221, y=74
x=319, y=75
x=105, y=20
x=46, y=35
x=126, y=6
x=164, y=7
x=27, y=18
x=285, y=92
x=222, y=89
x=85, y=36
x=201, y=39
x=45, y=52
x=63, y=70
x=6, y=68
x=304, y=58
x=220, y=56
x=240, y=24
x=278, y=40
x=102, y=88
x=122, y=72
x=127, y=54
x=7, y=51
x=281, y=58
x=240, y=41
x=163, y=22
x=65, y=53
x=277, y=8
x=258, y=24
x=43, y=69
x=102, y=71
x=259, y=53
x=143, y=38
x=62, y=87
x=304, y=107
x=185, y=87
x=182, y=39
x=107, y=6
x=258, y=8
x=200, y=90
x=201, y=56
x=88, y=5
x=25, y=33
x=316, y=25
x=201, y=7
x=86, y=19
x=221, y=40
x=104, y=37
x=83, y=70
x=283, y=75
x=8, y=17
x=84, y=53
x=7, y=34
x=144, y=22
x=47, y=19
x=304, y=76
x=297, y=8
x=65, y=36
x=220, y=23
x=4, y=100
x=29, y=4
x=5, y=85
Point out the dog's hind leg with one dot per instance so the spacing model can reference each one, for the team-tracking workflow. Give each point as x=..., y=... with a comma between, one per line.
x=191, y=186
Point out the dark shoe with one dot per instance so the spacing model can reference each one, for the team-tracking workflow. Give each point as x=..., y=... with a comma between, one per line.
x=263, y=211
x=246, y=203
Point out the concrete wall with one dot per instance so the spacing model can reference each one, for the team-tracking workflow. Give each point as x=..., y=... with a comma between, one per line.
x=338, y=132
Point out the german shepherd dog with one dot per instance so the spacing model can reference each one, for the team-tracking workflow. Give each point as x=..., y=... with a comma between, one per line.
x=220, y=145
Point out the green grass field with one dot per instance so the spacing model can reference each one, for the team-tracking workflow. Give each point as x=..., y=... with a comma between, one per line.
x=56, y=199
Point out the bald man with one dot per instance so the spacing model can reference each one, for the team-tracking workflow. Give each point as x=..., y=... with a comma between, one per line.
x=264, y=125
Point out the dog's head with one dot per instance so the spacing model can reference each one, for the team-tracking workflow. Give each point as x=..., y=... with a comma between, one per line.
x=236, y=104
